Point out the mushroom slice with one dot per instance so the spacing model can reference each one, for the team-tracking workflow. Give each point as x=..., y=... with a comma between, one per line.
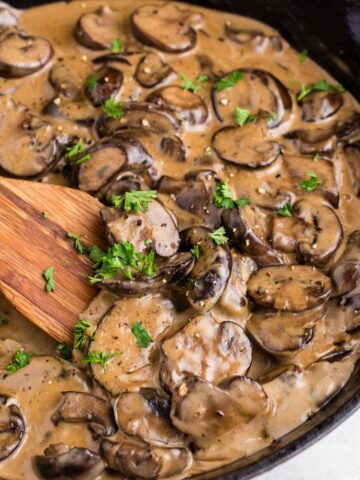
x=250, y=395
x=314, y=232
x=249, y=229
x=146, y=415
x=108, y=84
x=7, y=18
x=124, y=182
x=155, y=225
x=283, y=333
x=313, y=141
x=252, y=37
x=30, y=146
x=349, y=130
x=61, y=462
x=320, y=105
x=12, y=427
x=257, y=91
x=169, y=27
x=292, y=288
x=22, y=55
x=141, y=461
x=78, y=111
x=151, y=70
x=211, y=271
x=170, y=271
x=97, y=30
x=189, y=106
x=299, y=169
x=352, y=156
x=86, y=407
x=63, y=79
x=206, y=349
x=246, y=146
x=346, y=272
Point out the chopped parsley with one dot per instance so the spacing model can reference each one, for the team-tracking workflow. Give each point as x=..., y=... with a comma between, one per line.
x=80, y=333
x=285, y=210
x=316, y=156
x=218, y=236
x=228, y=81
x=99, y=358
x=76, y=153
x=223, y=197
x=196, y=252
x=303, y=55
x=120, y=257
x=3, y=320
x=142, y=336
x=268, y=117
x=79, y=247
x=134, y=201
x=322, y=86
x=113, y=109
x=310, y=184
x=48, y=275
x=91, y=83
x=243, y=116
x=195, y=86
x=116, y=46
x=45, y=214
x=20, y=360
x=64, y=350
x=207, y=152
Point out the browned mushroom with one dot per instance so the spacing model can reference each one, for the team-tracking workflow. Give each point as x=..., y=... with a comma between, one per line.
x=249, y=394
x=320, y=105
x=349, y=130
x=97, y=30
x=293, y=288
x=189, y=106
x=22, y=55
x=246, y=146
x=252, y=37
x=314, y=141
x=12, y=427
x=151, y=70
x=346, y=272
x=107, y=83
x=352, y=156
x=206, y=349
x=79, y=110
x=168, y=27
x=211, y=271
x=64, y=80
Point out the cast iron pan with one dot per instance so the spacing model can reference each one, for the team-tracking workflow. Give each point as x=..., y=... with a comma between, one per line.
x=330, y=30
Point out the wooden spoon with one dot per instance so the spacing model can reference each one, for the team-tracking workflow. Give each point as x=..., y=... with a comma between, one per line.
x=31, y=241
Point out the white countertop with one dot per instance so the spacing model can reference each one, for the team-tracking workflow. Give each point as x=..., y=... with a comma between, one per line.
x=334, y=457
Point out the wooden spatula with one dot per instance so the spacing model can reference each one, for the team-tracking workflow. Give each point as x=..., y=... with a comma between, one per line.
x=31, y=241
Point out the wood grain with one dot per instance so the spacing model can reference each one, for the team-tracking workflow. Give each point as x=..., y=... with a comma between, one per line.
x=30, y=243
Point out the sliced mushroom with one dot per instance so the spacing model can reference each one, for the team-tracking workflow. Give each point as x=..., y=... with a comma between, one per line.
x=61, y=462
x=283, y=333
x=258, y=91
x=249, y=394
x=30, y=146
x=146, y=415
x=320, y=105
x=7, y=18
x=64, y=80
x=352, y=156
x=255, y=38
x=151, y=70
x=314, y=233
x=249, y=229
x=86, y=407
x=155, y=225
x=314, y=141
x=349, y=130
x=22, y=55
x=246, y=146
x=62, y=108
x=108, y=84
x=206, y=349
x=299, y=169
x=12, y=427
x=211, y=271
x=122, y=183
x=346, y=272
x=168, y=27
x=97, y=30
x=292, y=288
x=189, y=106
x=142, y=461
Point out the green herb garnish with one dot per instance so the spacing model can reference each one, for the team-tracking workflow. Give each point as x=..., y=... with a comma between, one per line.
x=316, y=156
x=310, y=184
x=76, y=153
x=322, y=86
x=3, y=320
x=196, y=252
x=20, y=360
x=80, y=333
x=45, y=214
x=269, y=117
x=116, y=46
x=142, y=336
x=207, y=152
x=79, y=247
x=113, y=109
x=64, y=350
x=91, y=83
x=48, y=275
x=134, y=201
x=223, y=198
x=187, y=84
x=99, y=358
x=303, y=55
x=243, y=116
x=285, y=210
x=218, y=236
x=228, y=81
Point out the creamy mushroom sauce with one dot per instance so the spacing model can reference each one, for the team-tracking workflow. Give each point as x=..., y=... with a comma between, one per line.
x=266, y=332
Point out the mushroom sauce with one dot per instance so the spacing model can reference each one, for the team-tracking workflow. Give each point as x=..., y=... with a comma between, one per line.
x=229, y=168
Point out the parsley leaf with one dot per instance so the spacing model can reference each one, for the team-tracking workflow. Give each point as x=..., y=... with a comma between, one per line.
x=223, y=198
x=48, y=275
x=270, y=117
x=242, y=202
x=303, y=55
x=228, y=81
x=76, y=153
x=149, y=267
x=91, y=83
x=112, y=108
x=187, y=84
x=218, y=236
x=322, y=86
x=79, y=247
x=316, y=156
x=195, y=251
x=99, y=358
x=45, y=214
x=3, y=320
x=20, y=360
x=134, y=201
x=285, y=210
x=243, y=116
x=207, y=152
x=116, y=46
x=142, y=336
x=310, y=184
x=80, y=333
x=64, y=350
